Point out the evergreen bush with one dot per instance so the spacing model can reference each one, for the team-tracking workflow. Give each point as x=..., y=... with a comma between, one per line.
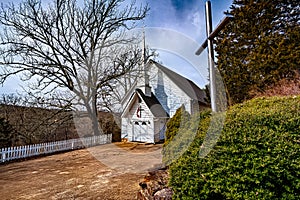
x=180, y=118
x=256, y=157
x=181, y=132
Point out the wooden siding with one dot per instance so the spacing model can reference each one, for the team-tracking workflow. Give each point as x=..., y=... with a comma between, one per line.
x=175, y=96
x=138, y=120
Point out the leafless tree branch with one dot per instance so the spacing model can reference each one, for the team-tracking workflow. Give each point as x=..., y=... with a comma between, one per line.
x=64, y=45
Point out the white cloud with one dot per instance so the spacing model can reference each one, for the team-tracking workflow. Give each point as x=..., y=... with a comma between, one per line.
x=196, y=19
x=179, y=46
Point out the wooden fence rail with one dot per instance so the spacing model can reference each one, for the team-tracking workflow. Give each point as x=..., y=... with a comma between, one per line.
x=11, y=153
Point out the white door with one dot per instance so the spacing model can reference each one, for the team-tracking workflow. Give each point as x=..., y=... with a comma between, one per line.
x=140, y=132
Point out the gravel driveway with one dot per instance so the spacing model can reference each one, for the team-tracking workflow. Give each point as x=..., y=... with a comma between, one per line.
x=110, y=171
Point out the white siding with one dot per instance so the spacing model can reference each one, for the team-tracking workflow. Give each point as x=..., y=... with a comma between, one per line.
x=145, y=111
x=175, y=96
x=124, y=127
x=142, y=126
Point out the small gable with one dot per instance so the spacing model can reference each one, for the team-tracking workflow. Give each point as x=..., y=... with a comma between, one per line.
x=141, y=106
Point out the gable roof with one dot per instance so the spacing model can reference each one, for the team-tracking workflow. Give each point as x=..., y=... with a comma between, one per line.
x=186, y=85
x=152, y=103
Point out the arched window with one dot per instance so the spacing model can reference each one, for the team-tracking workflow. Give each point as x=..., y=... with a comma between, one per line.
x=136, y=123
x=144, y=123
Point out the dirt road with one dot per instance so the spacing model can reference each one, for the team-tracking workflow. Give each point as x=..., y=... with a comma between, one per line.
x=110, y=171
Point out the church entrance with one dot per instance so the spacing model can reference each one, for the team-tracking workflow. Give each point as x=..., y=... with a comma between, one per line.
x=140, y=132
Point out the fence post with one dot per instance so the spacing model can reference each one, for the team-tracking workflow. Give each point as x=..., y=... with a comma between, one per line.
x=3, y=154
x=29, y=151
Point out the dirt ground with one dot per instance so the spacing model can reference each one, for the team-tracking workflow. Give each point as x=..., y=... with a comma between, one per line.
x=111, y=171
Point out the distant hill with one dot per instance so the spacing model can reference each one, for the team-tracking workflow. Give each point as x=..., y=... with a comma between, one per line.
x=32, y=125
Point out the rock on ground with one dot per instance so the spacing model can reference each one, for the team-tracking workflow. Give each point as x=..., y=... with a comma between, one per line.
x=155, y=186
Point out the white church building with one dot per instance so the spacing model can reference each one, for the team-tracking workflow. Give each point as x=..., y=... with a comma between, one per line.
x=154, y=99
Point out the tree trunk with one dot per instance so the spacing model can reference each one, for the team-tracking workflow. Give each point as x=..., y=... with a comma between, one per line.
x=95, y=123
x=94, y=117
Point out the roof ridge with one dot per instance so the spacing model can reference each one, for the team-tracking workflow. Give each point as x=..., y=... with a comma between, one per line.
x=162, y=66
x=192, y=90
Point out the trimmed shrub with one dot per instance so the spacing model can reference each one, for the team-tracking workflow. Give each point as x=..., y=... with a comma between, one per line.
x=256, y=157
x=181, y=129
x=180, y=118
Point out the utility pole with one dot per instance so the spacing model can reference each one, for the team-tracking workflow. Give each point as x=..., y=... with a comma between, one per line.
x=209, y=44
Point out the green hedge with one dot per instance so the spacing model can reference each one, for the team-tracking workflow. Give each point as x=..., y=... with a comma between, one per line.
x=256, y=157
x=180, y=118
x=181, y=132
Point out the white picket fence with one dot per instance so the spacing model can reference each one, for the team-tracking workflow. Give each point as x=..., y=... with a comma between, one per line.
x=11, y=153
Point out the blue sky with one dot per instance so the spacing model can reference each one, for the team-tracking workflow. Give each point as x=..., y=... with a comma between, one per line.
x=186, y=17
x=181, y=26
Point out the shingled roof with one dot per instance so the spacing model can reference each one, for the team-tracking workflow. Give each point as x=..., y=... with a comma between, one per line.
x=186, y=85
x=153, y=104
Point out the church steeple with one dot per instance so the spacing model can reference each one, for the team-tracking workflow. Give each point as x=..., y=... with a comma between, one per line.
x=145, y=86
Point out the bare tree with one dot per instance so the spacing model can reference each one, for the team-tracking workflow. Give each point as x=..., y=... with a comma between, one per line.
x=67, y=45
x=114, y=93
